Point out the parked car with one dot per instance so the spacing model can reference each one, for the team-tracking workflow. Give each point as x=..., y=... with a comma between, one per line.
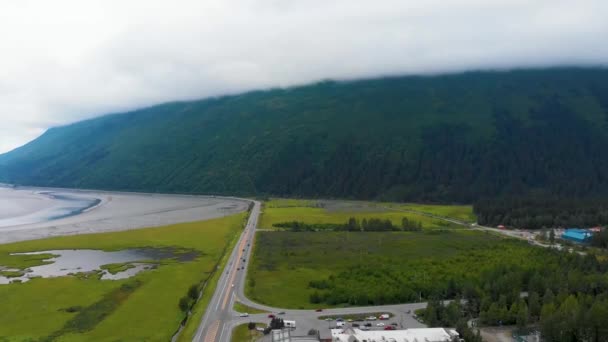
x=339, y=319
x=389, y=327
x=349, y=320
x=244, y=314
x=380, y=324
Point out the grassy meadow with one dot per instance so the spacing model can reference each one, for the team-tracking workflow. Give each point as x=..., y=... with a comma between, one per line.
x=144, y=307
x=311, y=211
x=331, y=269
x=241, y=333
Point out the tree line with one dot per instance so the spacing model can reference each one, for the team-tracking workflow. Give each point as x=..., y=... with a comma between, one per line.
x=567, y=299
x=536, y=212
x=354, y=225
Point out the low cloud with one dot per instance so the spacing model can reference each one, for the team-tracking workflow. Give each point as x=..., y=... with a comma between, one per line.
x=63, y=61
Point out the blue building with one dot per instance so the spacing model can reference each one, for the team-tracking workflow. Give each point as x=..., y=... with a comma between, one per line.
x=576, y=235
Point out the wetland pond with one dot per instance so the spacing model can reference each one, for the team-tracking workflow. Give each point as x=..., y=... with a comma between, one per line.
x=109, y=265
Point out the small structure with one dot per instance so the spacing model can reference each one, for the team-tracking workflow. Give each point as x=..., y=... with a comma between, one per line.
x=576, y=235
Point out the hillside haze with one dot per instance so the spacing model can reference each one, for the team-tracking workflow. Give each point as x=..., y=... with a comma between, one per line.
x=450, y=138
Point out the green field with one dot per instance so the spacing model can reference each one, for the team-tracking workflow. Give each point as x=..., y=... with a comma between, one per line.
x=311, y=212
x=459, y=212
x=144, y=307
x=368, y=268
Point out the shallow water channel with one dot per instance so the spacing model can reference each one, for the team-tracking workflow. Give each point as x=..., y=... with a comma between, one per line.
x=69, y=262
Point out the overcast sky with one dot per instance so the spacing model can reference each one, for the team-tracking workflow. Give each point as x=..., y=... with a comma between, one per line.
x=62, y=61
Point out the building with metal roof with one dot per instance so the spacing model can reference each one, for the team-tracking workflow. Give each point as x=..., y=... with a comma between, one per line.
x=576, y=235
x=405, y=335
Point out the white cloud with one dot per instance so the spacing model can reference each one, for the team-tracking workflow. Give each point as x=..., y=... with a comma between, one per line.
x=61, y=61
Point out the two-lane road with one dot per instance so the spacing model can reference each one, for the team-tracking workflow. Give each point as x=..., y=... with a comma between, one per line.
x=219, y=312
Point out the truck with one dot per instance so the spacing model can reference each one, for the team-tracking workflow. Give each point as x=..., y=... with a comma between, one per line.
x=290, y=324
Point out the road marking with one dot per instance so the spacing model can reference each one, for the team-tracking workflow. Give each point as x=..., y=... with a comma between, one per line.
x=210, y=337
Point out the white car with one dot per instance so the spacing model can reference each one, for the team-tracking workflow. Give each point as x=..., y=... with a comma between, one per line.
x=371, y=318
x=244, y=315
x=380, y=324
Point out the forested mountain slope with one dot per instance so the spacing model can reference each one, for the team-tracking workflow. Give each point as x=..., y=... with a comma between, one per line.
x=450, y=138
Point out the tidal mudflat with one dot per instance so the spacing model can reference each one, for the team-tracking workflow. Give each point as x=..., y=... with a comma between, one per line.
x=36, y=213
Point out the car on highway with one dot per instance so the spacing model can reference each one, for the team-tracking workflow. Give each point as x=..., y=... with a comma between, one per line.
x=368, y=325
x=340, y=319
x=281, y=313
x=329, y=319
x=364, y=328
x=319, y=310
x=371, y=318
x=394, y=324
x=390, y=327
x=349, y=320
x=271, y=316
x=380, y=324
x=355, y=325
x=244, y=314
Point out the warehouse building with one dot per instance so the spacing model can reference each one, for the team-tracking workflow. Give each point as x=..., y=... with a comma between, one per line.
x=406, y=335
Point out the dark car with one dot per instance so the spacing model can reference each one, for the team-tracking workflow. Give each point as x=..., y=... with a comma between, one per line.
x=339, y=319
x=271, y=316
x=389, y=327
x=368, y=324
x=319, y=310
x=394, y=324
x=281, y=313
x=355, y=325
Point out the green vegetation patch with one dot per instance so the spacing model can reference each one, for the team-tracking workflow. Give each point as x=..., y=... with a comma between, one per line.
x=87, y=318
x=117, y=268
x=24, y=261
x=12, y=274
x=312, y=269
x=41, y=308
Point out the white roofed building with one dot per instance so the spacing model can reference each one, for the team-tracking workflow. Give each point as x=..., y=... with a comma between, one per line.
x=405, y=335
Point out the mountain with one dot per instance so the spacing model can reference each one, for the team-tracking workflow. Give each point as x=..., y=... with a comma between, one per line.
x=448, y=138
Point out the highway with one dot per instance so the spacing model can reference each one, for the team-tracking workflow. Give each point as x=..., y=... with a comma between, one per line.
x=220, y=318
x=215, y=323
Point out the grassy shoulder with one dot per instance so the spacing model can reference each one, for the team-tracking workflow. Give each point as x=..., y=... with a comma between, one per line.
x=278, y=211
x=242, y=333
x=242, y=308
x=89, y=309
x=332, y=269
